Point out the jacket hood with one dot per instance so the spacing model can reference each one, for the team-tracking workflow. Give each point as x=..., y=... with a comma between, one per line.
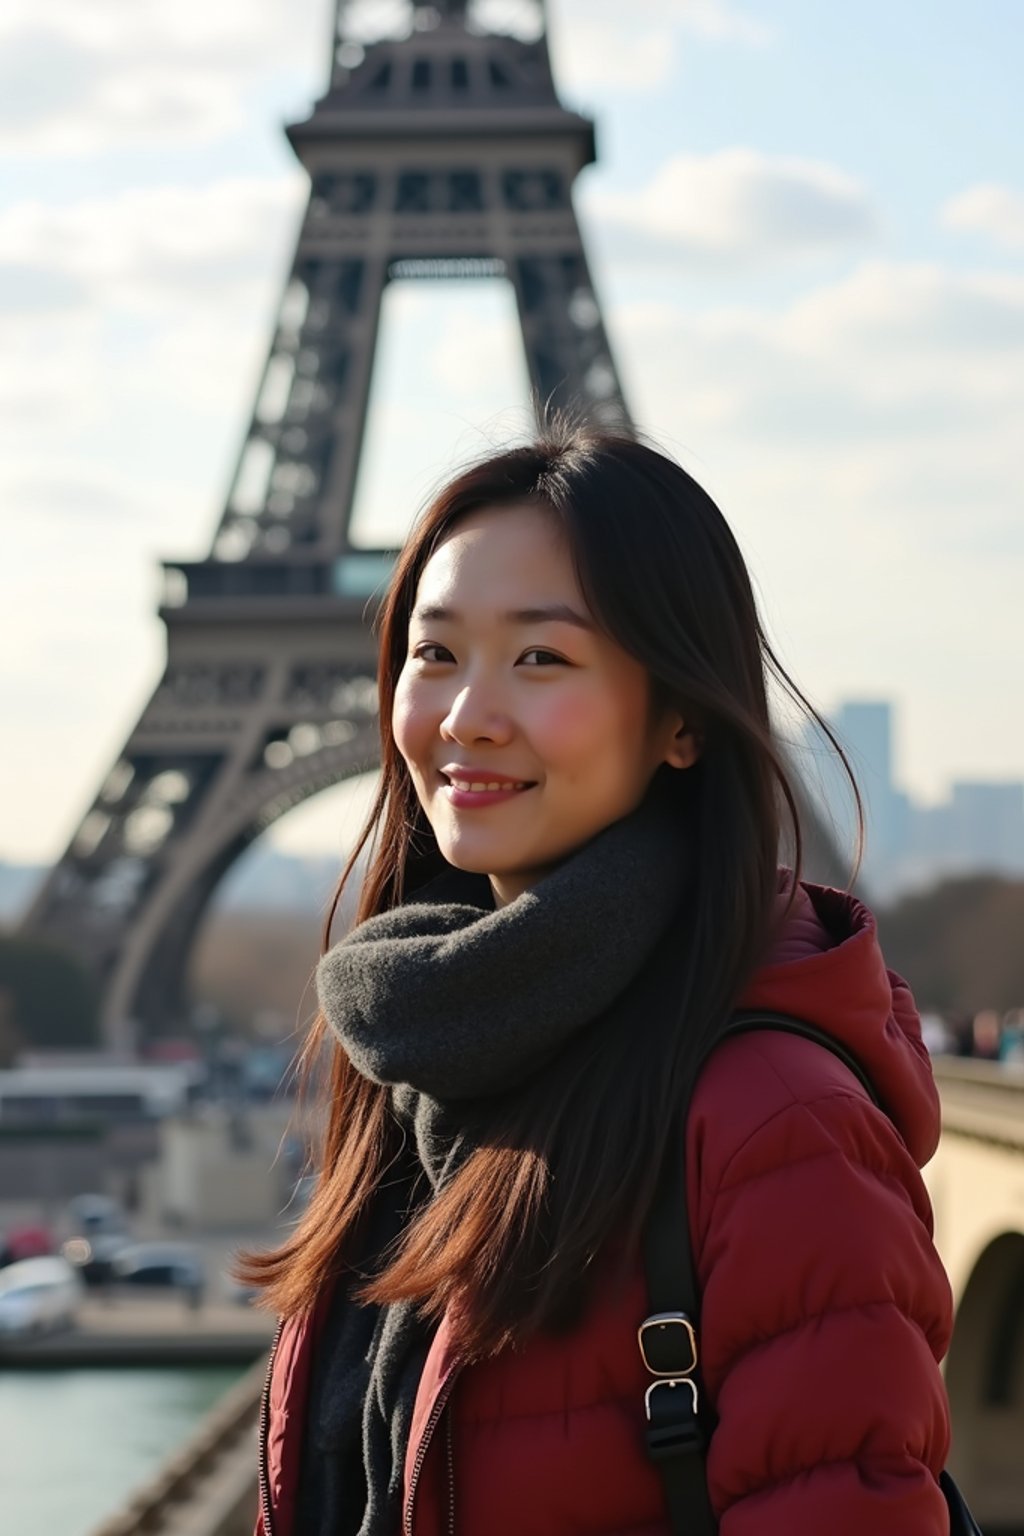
x=827, y=968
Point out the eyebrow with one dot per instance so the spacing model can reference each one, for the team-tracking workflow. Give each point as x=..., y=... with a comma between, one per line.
x=551, y=613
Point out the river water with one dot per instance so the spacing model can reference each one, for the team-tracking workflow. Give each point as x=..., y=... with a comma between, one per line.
x=74, y=1444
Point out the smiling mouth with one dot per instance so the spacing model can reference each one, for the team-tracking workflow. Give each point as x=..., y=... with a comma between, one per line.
x=486, y=786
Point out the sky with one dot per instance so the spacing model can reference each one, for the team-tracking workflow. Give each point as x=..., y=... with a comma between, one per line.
x=806, y=230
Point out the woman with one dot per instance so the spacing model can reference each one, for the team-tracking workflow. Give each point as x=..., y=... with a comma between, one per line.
x=573, y=883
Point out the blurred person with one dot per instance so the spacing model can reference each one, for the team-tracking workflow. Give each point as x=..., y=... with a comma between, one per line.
x=573, y=885
x=936, y=1034
x=962, y=1027
x=1011, y=1037
x=985, y=1032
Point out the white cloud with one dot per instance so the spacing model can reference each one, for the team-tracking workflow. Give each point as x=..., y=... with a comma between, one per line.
x=600, y=44
x=920, y=310
x=232, y=29
x=145, y=246
x=604, y=56
x=738, y=206
x=864, y=443
x=78, y=79
x=988, y=209
x=896, y=363
x=95, y=493
x=106, y=107
x=148, y=322
x=718, y=20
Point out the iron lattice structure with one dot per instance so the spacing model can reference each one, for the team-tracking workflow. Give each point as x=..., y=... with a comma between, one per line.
x=440, y=149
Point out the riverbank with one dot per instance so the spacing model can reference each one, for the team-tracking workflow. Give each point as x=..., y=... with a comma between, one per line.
x=147, y=1331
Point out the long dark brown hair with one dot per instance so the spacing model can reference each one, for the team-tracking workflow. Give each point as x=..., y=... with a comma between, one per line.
x=567, y=1167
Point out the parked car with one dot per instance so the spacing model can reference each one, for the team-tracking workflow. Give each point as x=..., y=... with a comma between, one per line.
x=30, y=1240
x=160, y=1266
x=98, y=1230
x=38, y=1296
x=95, y=1213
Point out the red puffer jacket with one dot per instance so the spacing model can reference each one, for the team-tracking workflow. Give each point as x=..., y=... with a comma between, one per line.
x=825, y=1307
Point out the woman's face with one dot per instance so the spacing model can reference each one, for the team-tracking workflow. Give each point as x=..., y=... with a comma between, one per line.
x=508, y=683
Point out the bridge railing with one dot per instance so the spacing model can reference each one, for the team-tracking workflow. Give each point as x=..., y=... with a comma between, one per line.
x=982, y=1099
x=208, y=1486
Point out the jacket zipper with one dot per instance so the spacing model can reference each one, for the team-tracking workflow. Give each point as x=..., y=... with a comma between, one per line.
x=449, y=1445
x=421, y=1452
x=438, y=1409
x=263, y=1476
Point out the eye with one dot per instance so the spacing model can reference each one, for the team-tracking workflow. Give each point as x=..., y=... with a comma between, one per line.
x=547, y=658
x=430, y=645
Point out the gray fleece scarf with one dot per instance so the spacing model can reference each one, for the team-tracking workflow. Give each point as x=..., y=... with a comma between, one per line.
x=452, y=1003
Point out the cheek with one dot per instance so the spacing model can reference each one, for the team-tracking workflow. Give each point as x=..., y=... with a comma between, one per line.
x=408, y=722
x=574, y=723
x=593, y=734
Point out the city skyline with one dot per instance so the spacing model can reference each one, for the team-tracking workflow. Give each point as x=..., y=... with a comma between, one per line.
x=977, y=827
x=820, y=311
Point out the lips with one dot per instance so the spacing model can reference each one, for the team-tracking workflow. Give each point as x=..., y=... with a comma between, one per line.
x=484, y=782
x=481, y=780
x=479, y=786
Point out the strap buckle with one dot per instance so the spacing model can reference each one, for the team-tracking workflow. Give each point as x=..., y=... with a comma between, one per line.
x=668, y=1348
x=669, y=1386
x=668, y=1344
x=673, y=1428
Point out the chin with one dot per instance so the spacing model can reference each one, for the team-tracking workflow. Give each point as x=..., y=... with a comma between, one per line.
x=468, y=864
x=460, y=856
x=479, y=860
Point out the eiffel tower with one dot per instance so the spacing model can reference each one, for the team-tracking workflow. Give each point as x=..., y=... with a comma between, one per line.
x=443, y=152
x=440, y=150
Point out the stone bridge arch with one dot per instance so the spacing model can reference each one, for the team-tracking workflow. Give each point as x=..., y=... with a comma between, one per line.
x=976, y=1182
x=985, y=1381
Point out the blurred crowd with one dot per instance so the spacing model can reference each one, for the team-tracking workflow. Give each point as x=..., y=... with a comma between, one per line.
x=986, y=1035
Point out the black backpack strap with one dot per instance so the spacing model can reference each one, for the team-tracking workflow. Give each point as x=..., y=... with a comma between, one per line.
x=677, y=1416
x=745, y=1021
x=679, y=1419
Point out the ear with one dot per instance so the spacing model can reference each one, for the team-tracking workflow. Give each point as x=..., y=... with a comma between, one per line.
x=684, y=747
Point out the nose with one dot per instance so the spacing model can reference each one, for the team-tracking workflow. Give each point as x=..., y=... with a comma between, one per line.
x=473, y=716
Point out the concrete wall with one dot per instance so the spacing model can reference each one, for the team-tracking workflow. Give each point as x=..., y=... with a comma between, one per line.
x=977, y=1190
x=43, y=1172
x=215, y=1172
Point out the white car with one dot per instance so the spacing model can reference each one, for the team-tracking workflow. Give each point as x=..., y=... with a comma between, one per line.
x=38, y=1296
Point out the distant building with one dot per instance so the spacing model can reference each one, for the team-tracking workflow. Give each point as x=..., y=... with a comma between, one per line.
x=980, y=828
x=865, y=732
x=987, y=825
x=866, y=729
x=97, y=1091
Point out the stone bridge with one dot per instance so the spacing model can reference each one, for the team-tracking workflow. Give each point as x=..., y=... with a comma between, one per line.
x=976, y=1180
